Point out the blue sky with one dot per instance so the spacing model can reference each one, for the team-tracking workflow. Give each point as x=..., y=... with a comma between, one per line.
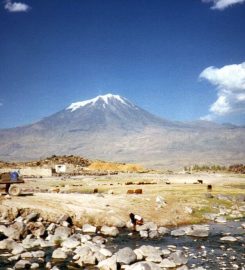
x=158, y=54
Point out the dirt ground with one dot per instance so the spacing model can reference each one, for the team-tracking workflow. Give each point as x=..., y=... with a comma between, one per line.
x=112, y=205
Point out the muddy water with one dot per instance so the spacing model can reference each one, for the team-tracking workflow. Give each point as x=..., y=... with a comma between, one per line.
x=210, y=253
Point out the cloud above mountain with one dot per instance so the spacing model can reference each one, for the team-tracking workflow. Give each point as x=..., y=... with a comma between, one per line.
x=223, y=4
x=16, y=6
x=230, y=85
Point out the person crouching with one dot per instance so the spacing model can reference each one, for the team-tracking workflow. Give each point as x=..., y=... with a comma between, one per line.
x=136, y=220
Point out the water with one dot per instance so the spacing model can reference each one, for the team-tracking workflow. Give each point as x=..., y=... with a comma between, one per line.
x=215, y=255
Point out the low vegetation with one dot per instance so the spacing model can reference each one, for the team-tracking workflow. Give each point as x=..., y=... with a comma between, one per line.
x=236, y=168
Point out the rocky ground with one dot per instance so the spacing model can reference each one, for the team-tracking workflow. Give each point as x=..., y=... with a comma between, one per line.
x=61, y=227
x=31, y=242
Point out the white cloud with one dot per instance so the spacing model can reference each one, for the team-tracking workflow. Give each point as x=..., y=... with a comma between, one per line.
x=230, y=85
x=16, y=6
x=222, y=4
x=1, y=104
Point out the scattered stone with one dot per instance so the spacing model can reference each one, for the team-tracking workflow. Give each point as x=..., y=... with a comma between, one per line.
x=160, y=201
x=188, y=210
x=210, y=216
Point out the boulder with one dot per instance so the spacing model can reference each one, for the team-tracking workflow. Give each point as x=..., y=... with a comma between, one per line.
x=71, y=243
x=153, y=234
x=59, y=254
x=160, y=201
x=144, y=266
x=87, y=228
x=26, y=255
x=126, y=256
x=198, y=231
x=105, y=252
x=139, y=254
x=111, y=231
x=18, y=248
x=148, y=226
x=38, y=254
x=22, y=264
x=86, y=255
x=178, y=232
x=35, y=266
x=154, y=258
x=228, y=239
x=144, y=234
x=99, y=239
x=178, y=258
x=8, y=244
x=166, y=263
x=108, y=264
x=31, y=217
x=148, y=251
x=62, y=232
x=63, y=218
x=163, y=230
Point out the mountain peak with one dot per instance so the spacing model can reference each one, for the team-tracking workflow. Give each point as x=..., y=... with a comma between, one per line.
x=105, y=99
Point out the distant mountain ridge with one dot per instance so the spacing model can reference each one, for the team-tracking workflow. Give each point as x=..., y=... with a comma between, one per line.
x=112, y=128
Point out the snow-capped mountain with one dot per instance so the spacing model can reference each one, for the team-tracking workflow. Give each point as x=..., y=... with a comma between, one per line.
x=112, y=128
x=100, y=113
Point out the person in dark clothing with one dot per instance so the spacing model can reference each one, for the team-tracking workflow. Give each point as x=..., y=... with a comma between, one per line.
x=136, y=220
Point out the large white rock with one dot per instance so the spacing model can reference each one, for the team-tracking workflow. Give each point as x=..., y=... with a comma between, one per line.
x=111, y=231
x=87, y=228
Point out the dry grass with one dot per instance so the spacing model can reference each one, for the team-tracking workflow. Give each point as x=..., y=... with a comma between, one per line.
x=120, y=204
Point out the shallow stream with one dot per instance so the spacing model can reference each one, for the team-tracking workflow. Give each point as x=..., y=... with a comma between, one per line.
x=210, y=252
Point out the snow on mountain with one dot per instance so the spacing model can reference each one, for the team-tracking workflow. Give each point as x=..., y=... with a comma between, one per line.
x=105, y=99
